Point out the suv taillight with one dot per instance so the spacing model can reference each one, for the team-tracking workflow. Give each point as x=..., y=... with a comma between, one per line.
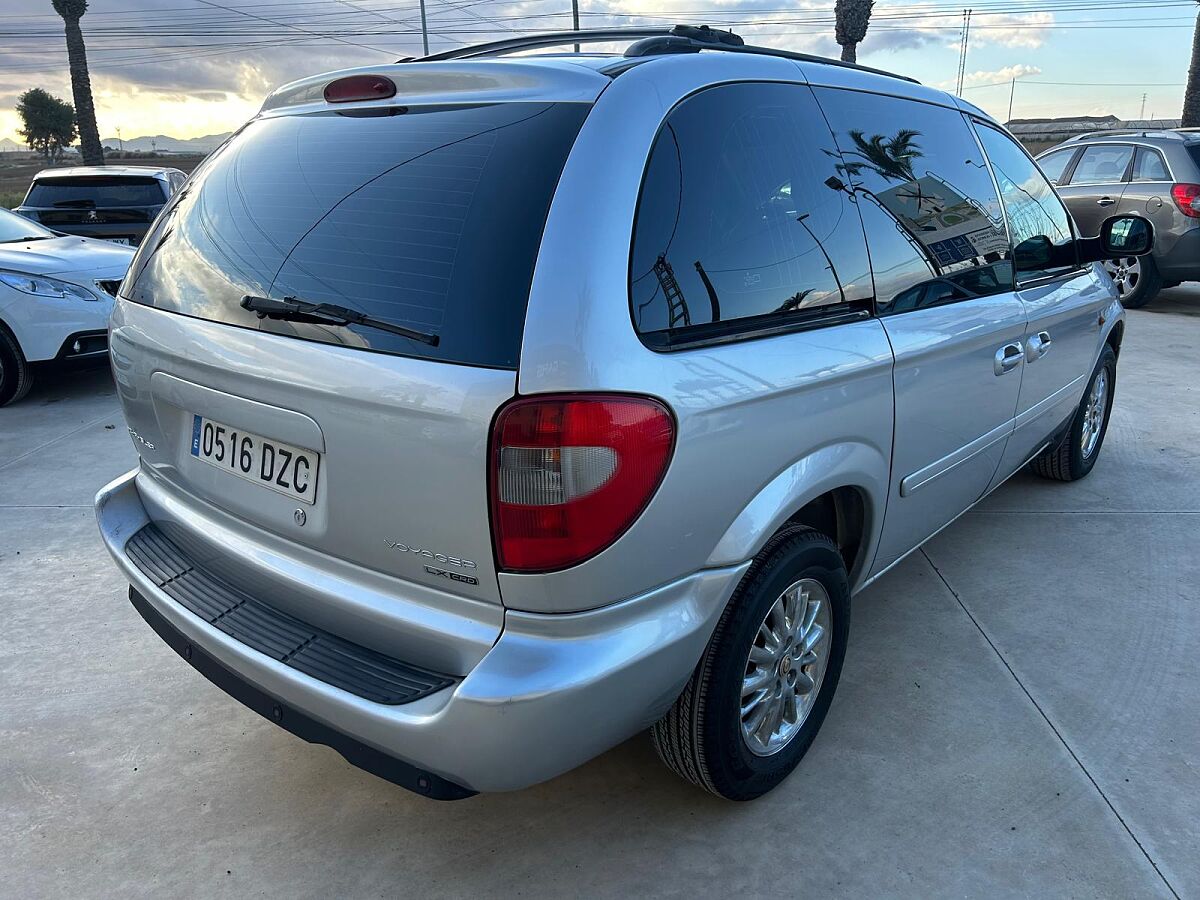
x=570, y=474
x=1187, y=198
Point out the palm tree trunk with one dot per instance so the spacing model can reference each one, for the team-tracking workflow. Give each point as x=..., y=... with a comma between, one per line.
x=81, y=88
x=850, y=53
x=1191, y=100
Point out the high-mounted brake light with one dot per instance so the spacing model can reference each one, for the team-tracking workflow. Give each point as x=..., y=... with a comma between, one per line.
x=1187, y=198
x=359, y=87
x=570, y=474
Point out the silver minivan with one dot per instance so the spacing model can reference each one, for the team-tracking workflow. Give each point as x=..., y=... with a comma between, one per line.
x=492, y=409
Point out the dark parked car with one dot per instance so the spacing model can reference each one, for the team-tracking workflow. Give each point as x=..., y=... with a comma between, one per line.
x=1149, y=173
x=114, y=203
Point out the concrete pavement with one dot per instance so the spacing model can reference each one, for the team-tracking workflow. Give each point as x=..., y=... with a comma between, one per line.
x=1018, y=715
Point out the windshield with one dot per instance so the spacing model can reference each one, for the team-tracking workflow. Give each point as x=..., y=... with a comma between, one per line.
x=96, y=192
x=428, y=218
x=18, y=228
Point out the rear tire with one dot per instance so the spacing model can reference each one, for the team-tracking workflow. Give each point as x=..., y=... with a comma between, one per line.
x=16, y=378
x=1137, y=280
x=1078, y=451
x=704, y=737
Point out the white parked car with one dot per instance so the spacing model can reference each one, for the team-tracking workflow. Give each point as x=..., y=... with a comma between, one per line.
x=55, y=296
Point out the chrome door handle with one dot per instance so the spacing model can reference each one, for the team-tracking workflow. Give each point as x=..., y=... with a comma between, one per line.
x=1105, y=201
x=1008, y=357
x=1038, y=346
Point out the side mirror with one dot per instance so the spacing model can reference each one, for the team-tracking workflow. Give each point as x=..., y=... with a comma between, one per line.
x=1124, y=236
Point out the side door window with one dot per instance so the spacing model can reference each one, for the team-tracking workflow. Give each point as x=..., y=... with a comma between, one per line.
x=1103, y=164
x=927, y=201
x=739, y=231
x=1043, y=240
x=1056, y=164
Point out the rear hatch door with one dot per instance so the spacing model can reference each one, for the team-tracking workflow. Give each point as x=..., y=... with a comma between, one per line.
x=424, y=217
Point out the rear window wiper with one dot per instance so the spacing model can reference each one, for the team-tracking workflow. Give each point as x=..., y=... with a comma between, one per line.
x=292, y=310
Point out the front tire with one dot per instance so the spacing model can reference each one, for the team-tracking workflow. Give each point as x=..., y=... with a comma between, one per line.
x=1077, y=453
x=761, y=691
x=16, y=378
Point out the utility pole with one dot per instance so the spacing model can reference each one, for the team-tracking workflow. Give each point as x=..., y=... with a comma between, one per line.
x=575, y=18
x=1145, y=97
x=1012, y=95
x=424, y=30
x=962, y=50
x=119, y=141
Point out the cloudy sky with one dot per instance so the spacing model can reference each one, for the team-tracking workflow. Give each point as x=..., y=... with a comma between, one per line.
x=193, y=67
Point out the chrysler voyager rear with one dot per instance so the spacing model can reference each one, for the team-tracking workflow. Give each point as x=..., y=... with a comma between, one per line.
x=492, y=411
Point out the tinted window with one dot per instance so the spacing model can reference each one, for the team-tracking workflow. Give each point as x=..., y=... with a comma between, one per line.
x=934, y=223
x=738, y=226
x=426, y=217
x=1102, y=164
x=96, y=191
x=1039, y=223
x=1194, y=150
x=1054, y=164
x=1150, y=166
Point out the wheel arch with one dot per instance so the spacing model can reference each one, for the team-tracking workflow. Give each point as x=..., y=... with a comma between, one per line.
x=839, y=490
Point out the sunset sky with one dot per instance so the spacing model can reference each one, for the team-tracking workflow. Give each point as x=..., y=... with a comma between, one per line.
x=193, y=67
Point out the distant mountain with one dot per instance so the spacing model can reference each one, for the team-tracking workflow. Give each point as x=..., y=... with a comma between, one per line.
x=166, y=143
x=8, y=145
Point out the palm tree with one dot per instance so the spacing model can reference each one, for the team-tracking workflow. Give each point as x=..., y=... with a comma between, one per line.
x=1191, y=100
x=853, y=17
x=81, y=84
x=891, y=158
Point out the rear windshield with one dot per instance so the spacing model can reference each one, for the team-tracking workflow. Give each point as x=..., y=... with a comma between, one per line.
x=428, y=218
x=96, y=192
x=1194, y=149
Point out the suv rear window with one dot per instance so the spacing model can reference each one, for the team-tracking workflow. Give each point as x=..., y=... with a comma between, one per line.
x=96, y=192
x=428, y=218
x=1194, y=150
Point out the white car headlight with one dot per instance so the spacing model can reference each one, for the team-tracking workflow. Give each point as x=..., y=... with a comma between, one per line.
x=41, y=286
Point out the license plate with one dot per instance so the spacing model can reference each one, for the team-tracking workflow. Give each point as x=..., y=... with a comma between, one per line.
x=289, y=470
x=126, y=241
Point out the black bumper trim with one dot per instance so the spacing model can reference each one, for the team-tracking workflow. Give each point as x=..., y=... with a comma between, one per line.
x=356, y=753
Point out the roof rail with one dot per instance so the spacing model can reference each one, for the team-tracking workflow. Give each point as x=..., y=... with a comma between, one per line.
x=650, y=41
x=1127, y=132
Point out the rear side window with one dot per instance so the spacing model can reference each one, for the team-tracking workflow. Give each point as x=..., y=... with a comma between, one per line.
x=1194, y=150
x=1054, y=164
x=1102, y=164
x=930, y=208
x=1150, y=166
x=96, y=192
x=742, y=224
x=1042, y=236
x=428, y=218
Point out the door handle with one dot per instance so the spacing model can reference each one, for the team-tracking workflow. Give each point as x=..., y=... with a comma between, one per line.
x=1008, y=357
x=1105, y=201
x=1038, y=346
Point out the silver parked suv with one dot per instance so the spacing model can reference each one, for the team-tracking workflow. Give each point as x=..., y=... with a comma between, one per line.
x=492, y=410
x=1150, y=173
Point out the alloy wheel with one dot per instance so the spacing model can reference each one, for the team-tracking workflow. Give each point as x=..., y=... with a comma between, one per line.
x=1126, y=274
x=1094, y=412
x=785, y=667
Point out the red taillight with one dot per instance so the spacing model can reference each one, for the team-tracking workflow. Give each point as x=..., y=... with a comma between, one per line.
x=569, y=475
x=1187, y=198
x=359, y=87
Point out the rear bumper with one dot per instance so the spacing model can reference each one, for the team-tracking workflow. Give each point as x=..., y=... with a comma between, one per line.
x=552, y=692
x=1182, y=261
